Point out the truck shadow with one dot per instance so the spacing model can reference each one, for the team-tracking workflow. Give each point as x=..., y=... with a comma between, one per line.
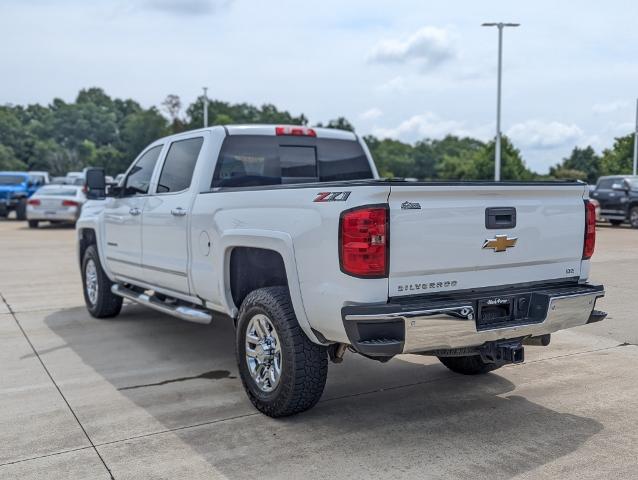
x=400, y=419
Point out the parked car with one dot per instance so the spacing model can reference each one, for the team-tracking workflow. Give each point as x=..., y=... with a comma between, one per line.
x=55, y=204
x=15, y=190
x=618, y=198
x=41, y=177
x=290, y=232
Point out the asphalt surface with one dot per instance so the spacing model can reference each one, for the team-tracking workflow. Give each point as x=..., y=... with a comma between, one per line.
x=148, y=396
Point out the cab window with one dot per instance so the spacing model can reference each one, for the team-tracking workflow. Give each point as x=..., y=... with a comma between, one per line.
x=139, y=177
x=177, y=171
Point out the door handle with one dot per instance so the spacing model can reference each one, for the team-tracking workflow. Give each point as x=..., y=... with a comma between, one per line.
x=135, y=211
x=178, y=212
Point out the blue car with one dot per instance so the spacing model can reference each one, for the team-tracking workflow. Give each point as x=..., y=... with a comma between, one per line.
x=15, y=190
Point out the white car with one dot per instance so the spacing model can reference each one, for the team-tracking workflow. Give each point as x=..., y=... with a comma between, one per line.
x=55, y=204
x=289, y=232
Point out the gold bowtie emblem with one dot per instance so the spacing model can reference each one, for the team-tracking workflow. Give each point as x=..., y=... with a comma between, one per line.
x=500, y=243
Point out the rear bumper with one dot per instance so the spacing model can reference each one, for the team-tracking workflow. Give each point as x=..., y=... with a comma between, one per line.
x=450, y=323
x=56, y=216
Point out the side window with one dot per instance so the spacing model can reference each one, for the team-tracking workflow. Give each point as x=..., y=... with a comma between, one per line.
x=139, y=177
x=606, y=183
x=177, y=171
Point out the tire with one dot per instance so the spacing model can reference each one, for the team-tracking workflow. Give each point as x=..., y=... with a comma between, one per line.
x=468, y=365
x=100, y=301
x=33, y=223
x=303, y=365
x=615, y=223
x=633, y=217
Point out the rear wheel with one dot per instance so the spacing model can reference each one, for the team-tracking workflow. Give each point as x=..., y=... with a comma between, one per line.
x=468, y=365
x=21, y=209
x=100, y=301
x=283, y=372
x=615, y=223
x=633, y=217
x=33, y=223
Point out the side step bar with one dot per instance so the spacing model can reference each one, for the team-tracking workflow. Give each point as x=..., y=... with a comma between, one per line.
x=184, y=313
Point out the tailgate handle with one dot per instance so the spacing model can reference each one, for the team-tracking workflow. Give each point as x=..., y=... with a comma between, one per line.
x=500, y=217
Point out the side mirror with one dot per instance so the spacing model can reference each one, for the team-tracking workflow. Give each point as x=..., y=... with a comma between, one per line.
x=619, y=186
x=95, y=184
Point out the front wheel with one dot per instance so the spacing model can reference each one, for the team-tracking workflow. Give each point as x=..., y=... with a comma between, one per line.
x=100, y=301
x=282, y=371
x=33, y=223
x=468, y=365
x=633, y=217
x=21, y=209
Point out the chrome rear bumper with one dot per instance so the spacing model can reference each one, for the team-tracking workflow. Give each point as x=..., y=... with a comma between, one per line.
x=406, y=328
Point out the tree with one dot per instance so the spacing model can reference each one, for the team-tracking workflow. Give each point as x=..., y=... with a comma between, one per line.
x=8, y=161
x=392, y=157
x=618, y=160
x=173, y=106
x=582, y=164
x=340, y=123
x=138, y=131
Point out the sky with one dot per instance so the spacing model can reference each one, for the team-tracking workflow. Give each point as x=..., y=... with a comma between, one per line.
x=407, y=69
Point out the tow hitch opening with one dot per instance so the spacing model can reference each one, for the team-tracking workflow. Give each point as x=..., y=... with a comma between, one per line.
x=503, y=352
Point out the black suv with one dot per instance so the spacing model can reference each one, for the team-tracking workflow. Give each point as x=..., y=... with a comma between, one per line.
x=618, y=198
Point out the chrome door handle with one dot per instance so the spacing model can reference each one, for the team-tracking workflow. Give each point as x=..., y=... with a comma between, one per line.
x=178, y=212
x=135, y=211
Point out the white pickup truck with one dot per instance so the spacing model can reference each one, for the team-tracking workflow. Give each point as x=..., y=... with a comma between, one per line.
x=290, y=232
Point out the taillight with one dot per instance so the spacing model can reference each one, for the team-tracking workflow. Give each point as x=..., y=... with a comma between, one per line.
x=364, y=241
x=590, y=230
x=69, y=203
x=295, y=131
x=33, y=201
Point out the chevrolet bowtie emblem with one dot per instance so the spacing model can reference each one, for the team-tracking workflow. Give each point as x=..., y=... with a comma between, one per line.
x=500, y=243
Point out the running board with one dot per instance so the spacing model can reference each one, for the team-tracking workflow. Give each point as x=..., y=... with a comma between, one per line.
x=184, y=313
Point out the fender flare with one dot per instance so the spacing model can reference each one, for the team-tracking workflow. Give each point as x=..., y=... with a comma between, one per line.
x=279, y=242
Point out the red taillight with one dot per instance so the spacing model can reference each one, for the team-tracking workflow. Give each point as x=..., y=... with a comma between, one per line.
x=69, y=203
x=364, y=242
x=33, y=201
x=295, y=131
x=590, y=230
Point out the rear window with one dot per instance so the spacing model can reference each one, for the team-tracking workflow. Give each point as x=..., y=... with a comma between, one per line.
x=255, y=160
x=12, y=179
x=54, y=191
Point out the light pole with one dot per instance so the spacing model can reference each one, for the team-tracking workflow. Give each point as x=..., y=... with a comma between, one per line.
x=205, y=106
x=497, y=145
x=636, y=142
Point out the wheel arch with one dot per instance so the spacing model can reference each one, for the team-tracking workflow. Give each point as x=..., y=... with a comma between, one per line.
x=277, y=250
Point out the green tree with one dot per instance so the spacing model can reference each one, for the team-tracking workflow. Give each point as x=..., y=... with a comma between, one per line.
x=618, y=160
x=340, y=123
x=138, y=131
x=582, y=164
x=8, y=161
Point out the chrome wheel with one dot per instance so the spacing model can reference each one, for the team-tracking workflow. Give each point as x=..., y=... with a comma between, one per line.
x=90, y=281
x=263, y=353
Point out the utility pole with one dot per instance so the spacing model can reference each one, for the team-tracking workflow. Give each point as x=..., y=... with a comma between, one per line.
x=636, y=142
x=497, y=145
x=205, y=106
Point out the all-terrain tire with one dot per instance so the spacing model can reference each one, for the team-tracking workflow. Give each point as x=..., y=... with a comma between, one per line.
x=33, y=223
x=304, y=364
x=21, y=209
x=102, y=303
x=468, y=365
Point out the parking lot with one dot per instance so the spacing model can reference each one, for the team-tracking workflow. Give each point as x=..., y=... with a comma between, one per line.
x=148, y=396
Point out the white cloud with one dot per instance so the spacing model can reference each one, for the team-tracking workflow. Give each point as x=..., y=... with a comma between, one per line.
x=188, y=7
x=371, y=114
x=545, y=135
x=394, y=85
x=429, y=125
x=429, y=46
x=610, y=107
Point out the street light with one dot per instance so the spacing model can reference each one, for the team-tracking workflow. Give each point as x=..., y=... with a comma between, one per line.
x=497, y=145
x=636, y=142
x=205, y=106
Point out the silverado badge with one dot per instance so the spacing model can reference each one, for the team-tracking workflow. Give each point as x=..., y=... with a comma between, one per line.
x=500, y=243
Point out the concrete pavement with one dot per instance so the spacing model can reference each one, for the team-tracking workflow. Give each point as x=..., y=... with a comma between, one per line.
x=148, y=396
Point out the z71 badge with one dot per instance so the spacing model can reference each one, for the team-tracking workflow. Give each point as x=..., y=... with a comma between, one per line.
x=332, y=197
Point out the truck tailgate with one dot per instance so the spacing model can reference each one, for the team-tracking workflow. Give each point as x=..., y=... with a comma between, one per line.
x=440, y=240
